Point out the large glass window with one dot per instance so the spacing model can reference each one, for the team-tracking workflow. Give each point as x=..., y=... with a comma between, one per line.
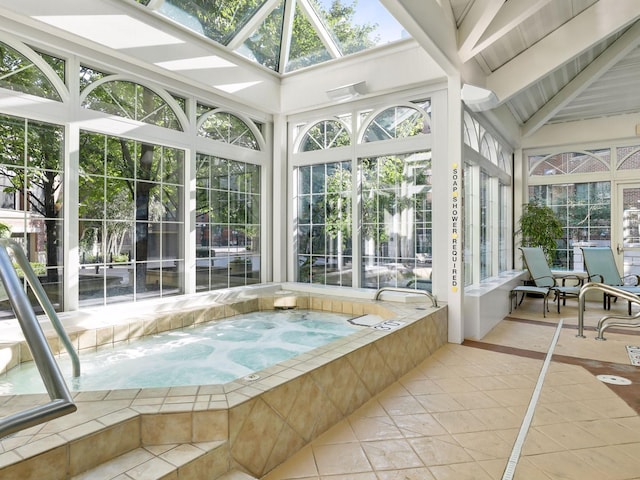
x=227, y=223
x=585, y=211
x=486, y=233
x=324, y=224
x=31, y=181
x=396, y=220
x=487, y=202
x=131, y=220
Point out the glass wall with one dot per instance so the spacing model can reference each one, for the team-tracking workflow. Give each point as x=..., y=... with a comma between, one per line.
x=227, y=223
x=585, y=212
x=577, y=185
x=487, y=202
x=131, y=220
x=124, y=222
x=364, y=219
x=324, y=212
x=396, y=221
x=31, y=197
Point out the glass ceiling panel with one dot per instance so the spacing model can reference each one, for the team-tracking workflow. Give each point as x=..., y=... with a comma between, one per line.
x=217, y=20
x=263, y=46
x=321, y=30
x=306, y=46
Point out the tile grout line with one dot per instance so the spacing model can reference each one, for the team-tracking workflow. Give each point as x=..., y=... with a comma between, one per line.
x=526, y=422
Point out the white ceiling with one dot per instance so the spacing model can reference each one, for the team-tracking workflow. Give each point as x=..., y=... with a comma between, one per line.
x=547, y=61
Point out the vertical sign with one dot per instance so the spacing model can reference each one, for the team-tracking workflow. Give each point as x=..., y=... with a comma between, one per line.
x=455, y=219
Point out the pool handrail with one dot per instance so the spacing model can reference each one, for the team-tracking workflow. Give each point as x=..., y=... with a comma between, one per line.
x=42, y=298
x=61, y=401
x=434, y=300
x=604, y=323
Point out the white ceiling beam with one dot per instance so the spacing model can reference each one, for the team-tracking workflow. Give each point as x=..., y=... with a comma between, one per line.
x=601, y=65
x=596, y=23
x=511, y=15
x=476, y=21
x=431, y=27
x=287, y=29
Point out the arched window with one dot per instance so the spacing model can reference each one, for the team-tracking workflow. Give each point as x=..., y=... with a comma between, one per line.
x=324, y=135
x=396, y=122
x=570, y=162
x=22, y=74
x=228, y=128
x=470, y=131
x=629, y=158
x=131, y=100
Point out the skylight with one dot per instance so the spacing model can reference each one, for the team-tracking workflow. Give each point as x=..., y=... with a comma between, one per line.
x=286, y=35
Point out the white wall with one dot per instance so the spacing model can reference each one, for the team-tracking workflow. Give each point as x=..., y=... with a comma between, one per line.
x=402, y=65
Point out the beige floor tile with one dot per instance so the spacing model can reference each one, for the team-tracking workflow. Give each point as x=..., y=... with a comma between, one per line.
x=420, y=425
x=616, y=463
x=565, y=465
x=391, y=454
x=341, y=459
x=537, y=442
x=401, y=405
x=454, y=385
x=440, y=450
x=460, y=471
x=301, y=465
x=571, y=436
x=422, y=386
x=339, y=433
x=406, y=474
x=374, y=428
x=484, y=445
x=460, y=422
x=511, y=397
x=613, y=431
x=525, y=470
x=441, y=402
x=497, y=418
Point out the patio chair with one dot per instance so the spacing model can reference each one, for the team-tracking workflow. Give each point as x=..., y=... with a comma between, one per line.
x=600, y=265
x=544, y=281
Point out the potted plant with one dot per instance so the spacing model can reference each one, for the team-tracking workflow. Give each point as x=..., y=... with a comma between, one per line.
x=539, y=227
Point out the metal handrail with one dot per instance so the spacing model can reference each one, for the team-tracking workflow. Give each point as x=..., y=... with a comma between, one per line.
x=604, y=323
x=43, y=299
x=61, y=402
x=434, y=300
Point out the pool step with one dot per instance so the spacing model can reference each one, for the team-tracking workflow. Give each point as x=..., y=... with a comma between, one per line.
x=207, y=461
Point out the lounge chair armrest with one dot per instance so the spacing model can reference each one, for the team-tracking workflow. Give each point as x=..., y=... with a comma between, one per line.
x=536, y=279
x=579, y=281
x=636, y=279
x=596, y=277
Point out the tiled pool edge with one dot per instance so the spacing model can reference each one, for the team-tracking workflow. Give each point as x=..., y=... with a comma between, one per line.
x=266, y=430
x=269, y=419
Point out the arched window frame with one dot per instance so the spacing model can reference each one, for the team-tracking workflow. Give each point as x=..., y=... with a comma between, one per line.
x=371, y=117
x=43, y=66
x=161, y=92
x=246, y=120
x=303, y=132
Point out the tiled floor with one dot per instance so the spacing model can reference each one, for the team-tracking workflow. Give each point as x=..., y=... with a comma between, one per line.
x=459, y=414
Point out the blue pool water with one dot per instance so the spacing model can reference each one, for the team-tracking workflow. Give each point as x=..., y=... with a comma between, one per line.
x=214, y=353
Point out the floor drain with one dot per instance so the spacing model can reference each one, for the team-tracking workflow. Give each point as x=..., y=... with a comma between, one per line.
x=614, y=380
x=252, y=378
